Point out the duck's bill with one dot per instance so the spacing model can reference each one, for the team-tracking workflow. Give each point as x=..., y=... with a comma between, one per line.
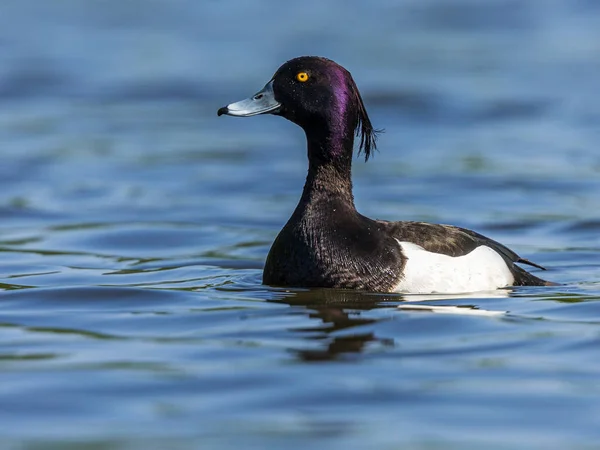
x=262, y=102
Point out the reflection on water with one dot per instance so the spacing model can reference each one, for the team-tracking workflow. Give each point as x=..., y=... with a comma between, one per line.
x=135, y=227
x=337, y=310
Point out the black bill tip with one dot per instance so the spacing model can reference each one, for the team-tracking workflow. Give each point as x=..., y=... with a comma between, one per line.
x=222, y=111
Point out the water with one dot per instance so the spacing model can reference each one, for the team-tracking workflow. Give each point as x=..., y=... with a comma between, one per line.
x=135, y=224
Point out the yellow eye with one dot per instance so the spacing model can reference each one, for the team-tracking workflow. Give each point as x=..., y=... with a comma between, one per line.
x=302, y=77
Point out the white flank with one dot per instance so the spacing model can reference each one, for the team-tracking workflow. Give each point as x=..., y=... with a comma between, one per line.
x=427, y=273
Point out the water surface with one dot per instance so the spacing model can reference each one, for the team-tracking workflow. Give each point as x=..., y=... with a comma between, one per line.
x=135, y=224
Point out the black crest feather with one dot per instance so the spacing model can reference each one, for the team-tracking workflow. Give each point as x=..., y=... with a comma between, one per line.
x=364, y=128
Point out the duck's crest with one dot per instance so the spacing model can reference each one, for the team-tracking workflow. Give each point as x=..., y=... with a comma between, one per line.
x=364, y=128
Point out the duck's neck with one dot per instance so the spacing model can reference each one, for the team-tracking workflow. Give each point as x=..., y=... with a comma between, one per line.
x=330, y=167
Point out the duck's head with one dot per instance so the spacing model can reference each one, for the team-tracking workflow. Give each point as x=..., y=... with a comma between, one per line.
x=316, y=94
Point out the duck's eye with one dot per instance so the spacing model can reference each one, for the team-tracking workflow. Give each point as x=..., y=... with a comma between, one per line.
x=302, y=77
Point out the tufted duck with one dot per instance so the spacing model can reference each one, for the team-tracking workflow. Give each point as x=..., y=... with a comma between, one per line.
x=326, y=242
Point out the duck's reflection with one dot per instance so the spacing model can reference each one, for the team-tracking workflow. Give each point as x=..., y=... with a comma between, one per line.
x=338, y=309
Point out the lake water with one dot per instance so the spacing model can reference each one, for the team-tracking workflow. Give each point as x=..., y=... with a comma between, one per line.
x=135, y=223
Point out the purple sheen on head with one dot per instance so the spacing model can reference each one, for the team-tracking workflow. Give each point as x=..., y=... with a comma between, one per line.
x=342, y=98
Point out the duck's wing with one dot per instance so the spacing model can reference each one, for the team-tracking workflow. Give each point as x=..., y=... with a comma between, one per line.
x=456, y=241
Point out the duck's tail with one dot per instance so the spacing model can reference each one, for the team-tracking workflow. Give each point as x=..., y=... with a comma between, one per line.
x=524, y=278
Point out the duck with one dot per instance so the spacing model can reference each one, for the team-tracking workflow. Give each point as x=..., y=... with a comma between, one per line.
x=327, y=243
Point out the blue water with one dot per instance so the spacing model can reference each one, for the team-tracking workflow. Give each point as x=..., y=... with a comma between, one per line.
x=135, y=223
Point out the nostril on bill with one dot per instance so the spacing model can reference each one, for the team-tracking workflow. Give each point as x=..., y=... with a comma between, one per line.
x=258, y=97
